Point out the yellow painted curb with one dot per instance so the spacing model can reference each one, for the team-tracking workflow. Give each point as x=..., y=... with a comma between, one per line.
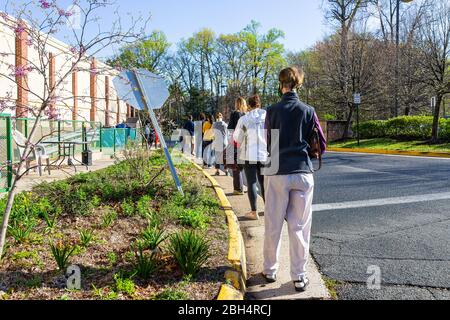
x=236, y=252
x=393, y=152
x=228, y=293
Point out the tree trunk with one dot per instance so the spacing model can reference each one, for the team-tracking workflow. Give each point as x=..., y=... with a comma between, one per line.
x=437, y=117
x=348, y=122
x=12, y=193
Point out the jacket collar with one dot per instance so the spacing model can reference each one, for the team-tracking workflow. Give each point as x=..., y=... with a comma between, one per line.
x=289, y=96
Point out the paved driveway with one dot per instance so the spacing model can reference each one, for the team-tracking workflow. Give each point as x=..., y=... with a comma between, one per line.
x=386, y=212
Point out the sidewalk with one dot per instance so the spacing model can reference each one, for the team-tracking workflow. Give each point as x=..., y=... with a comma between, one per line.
x=33, y=179
x=253, y=232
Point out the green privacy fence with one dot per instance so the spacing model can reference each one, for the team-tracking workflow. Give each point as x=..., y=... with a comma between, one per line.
x=115, y=139
x=106, y=140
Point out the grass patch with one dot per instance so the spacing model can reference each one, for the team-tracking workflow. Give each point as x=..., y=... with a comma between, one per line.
x=390, y=144
x=332, y=287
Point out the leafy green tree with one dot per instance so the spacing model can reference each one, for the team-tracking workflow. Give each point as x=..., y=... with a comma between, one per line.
x=147, y=54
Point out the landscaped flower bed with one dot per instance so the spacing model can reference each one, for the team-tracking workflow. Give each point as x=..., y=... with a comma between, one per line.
x=126, y=227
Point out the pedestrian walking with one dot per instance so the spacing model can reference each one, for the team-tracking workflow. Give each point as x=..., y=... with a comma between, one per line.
x=188, y=135
x=290, y=185
x=250, y=136
x=220, y=141
x=240, y=108
x=208, y=137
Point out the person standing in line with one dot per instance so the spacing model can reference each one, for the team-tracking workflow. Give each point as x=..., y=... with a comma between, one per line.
x=289, y=186
x=250, y=135
x=188, y=135
x=147, y=133
x=220, y=141
x=208, y=137
x=240, y=108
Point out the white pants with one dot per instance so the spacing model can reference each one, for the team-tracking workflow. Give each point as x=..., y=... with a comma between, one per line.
x=288, y=198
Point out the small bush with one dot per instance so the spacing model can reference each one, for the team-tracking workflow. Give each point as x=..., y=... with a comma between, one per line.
x=108, y=218
x=127, y=208
x=193, y=218
x=146, y=264
x=86, y=237
x=190, y=251
x=62, y=252
x=124, y=285
x=152, y=238
x=21, y=229
x=171, y=295
x=404, y=128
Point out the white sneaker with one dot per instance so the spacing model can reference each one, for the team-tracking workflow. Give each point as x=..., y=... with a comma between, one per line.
x=302, y=284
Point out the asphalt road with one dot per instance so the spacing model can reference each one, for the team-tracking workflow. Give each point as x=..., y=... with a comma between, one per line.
x=384, y=211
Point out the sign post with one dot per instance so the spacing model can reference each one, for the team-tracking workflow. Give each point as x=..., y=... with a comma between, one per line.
x=357, y=102
x=145, y=90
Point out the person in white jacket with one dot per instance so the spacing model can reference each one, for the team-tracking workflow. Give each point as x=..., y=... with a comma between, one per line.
x=251, y=138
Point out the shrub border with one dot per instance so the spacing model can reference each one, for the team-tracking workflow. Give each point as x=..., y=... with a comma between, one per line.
x=236, y=276
x=393, y=152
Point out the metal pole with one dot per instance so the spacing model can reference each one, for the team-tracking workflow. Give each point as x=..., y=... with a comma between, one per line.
x=159, y=133
x=9, y=152
x=101, y=138
x=357, y=124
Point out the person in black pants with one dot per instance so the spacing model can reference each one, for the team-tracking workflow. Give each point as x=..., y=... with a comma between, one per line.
x=251, y=136
x=240, y=110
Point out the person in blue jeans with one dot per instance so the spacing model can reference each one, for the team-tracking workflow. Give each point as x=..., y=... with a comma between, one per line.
x=289, y=179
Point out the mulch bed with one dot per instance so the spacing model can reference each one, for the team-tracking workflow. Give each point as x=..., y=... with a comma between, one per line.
x=29, y=271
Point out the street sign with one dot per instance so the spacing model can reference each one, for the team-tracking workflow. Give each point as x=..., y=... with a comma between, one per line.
x=357, y=98
x=145, y=90
x=155, y=86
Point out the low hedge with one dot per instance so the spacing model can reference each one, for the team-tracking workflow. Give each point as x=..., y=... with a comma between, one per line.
x=416, y=127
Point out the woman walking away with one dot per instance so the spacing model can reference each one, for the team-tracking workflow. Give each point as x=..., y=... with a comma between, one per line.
x=289, y=180
x=240, y=108
x=188, y=135
x=220, y=141
x=250, y=135
x=208, y=137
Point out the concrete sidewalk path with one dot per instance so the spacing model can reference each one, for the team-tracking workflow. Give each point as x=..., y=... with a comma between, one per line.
x=253, y=232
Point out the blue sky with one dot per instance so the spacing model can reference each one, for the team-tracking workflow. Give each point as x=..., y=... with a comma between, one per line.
x=302, y=20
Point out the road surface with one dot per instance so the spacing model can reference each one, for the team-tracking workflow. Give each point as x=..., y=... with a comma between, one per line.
x=386, y=213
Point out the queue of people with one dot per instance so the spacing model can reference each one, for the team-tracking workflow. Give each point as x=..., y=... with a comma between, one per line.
x=270, y=148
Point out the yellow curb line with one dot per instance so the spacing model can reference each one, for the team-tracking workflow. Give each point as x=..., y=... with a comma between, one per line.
x=236, y=252
x=393, y=152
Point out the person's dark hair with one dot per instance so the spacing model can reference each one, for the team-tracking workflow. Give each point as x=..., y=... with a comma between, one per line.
x=210, y=118
x=291, y=78
x=202, y=116
x=254, y=102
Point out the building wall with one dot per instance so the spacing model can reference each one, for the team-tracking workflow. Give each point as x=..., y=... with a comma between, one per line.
x=67, y=98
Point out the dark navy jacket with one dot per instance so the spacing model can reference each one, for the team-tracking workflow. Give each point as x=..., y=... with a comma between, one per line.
x=294, y=121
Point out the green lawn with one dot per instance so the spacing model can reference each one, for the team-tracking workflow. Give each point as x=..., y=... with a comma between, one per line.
x=390, y=144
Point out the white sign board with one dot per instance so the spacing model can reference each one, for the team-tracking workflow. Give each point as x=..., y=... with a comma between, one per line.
x=154, y=88
x=357, y=98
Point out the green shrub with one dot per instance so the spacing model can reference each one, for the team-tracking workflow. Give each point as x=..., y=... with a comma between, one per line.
x=371, y=129
x=62, y=252
x=193, y=218
x=21, y=229
x=409, y=128
x=124, y=285
x=86, y=237
x=171, y=294
x=152, y=237
x=144, y=207
x=109, y=217
x=127, y=208
x=146, y=264
x=190, y=250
